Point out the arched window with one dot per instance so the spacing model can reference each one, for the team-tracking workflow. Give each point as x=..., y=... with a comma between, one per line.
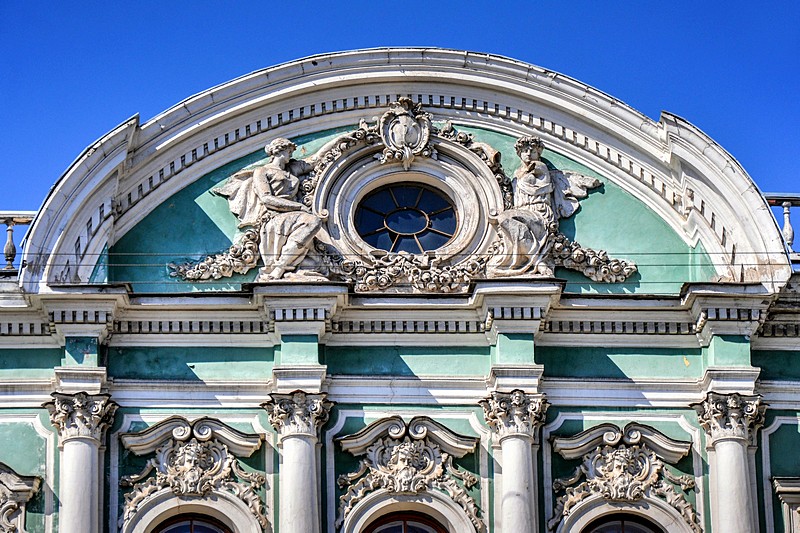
x=622, y=523
x=405, y=523
x=191, y=524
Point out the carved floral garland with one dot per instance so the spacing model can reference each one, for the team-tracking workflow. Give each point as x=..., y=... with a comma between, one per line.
x=405, y=131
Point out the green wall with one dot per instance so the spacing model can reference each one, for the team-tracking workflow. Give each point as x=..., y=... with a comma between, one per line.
x=194, y=223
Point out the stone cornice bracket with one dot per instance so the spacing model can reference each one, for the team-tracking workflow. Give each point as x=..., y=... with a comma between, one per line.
x=81, y=415
x=511, y=307
x=726, y=309
x=731, y=416
x=85, y=317
x=298, y=414
x=293, y=309
x=515, y=414
x=15, y=492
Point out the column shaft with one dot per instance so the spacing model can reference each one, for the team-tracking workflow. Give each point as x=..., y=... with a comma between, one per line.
x=517, y=504
x=79, y=493
x=298, y=485
x=733, y=495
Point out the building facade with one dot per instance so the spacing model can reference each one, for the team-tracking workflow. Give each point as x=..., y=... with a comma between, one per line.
x=401, y=290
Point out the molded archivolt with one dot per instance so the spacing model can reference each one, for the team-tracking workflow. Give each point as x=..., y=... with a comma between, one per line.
x=680, y=174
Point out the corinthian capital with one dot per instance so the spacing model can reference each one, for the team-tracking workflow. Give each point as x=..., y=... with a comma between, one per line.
x=81, y=414
x=730, y=415
x=515, y=413
x=298, y=413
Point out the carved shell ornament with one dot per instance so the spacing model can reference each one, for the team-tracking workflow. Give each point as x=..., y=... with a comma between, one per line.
x=283, y=229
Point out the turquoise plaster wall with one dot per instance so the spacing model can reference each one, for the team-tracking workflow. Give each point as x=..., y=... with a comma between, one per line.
x=191, y=363
x=407, y=360
x=29, y=363
x=777, y=364
x=620, y=363
x=24, y=450
x=194, y=223
x=611, y=219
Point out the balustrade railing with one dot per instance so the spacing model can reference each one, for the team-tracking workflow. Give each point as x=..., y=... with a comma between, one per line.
x=786, y=201
x=12, y=219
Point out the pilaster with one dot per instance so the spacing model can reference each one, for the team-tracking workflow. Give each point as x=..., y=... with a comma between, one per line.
x=300, y=316
x=297, y=417
x=731, y=422
x=513, y=312
x=81, y=420
x=515, y=419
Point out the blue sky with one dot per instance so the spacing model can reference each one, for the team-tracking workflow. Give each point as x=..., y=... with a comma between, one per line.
x=71, y=71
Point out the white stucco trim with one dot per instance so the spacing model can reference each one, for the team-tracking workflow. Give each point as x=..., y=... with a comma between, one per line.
x=220, y=505
x=640, y=417
x=595, y=507
x=431, y=503
x=672, y=167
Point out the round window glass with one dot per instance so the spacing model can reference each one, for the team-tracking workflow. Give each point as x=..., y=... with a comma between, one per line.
x=406, y=217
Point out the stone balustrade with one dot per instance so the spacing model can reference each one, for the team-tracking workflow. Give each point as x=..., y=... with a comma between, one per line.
x=786, y=201
x=11, y=219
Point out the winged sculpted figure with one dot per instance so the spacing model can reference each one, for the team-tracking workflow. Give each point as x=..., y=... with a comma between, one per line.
x=541, y=197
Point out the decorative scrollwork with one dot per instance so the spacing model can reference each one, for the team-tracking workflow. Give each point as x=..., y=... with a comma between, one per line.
x=624, y=467
x=407, y=459
x=194, y=463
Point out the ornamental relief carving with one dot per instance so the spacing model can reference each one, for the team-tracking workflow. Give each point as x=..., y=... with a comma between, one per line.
x=15, y=492
x=731, y=416
x=193, y=460
x=283, y=227
x=81, y=414
x=410, y=458
x=627, y=465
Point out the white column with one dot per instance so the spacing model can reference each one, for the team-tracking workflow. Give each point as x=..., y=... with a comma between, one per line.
x=297, y=417
x=81, y=420
x=731, y=422
x=515, y=419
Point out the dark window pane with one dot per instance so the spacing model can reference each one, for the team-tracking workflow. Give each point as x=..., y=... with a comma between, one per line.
x=406, y=221
x=444, y=221
x=381, y=201
x=382, y=240
x=368, y=221
x=406, y=195
x=431, y=202
x=407, y=244
x=431, y=240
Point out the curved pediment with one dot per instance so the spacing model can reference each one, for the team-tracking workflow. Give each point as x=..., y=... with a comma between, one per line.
x=657, y=195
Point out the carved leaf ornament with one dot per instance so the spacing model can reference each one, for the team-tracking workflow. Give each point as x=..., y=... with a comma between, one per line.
x=193, y=460
x=623, y=466
x=15, y=491
x=527, y=241
x=410, y=459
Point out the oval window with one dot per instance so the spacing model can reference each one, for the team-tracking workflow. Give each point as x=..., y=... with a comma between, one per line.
x=406, y=217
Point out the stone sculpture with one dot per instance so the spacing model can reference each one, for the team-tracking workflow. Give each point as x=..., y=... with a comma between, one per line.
x=265, y=197
x=273, y=203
